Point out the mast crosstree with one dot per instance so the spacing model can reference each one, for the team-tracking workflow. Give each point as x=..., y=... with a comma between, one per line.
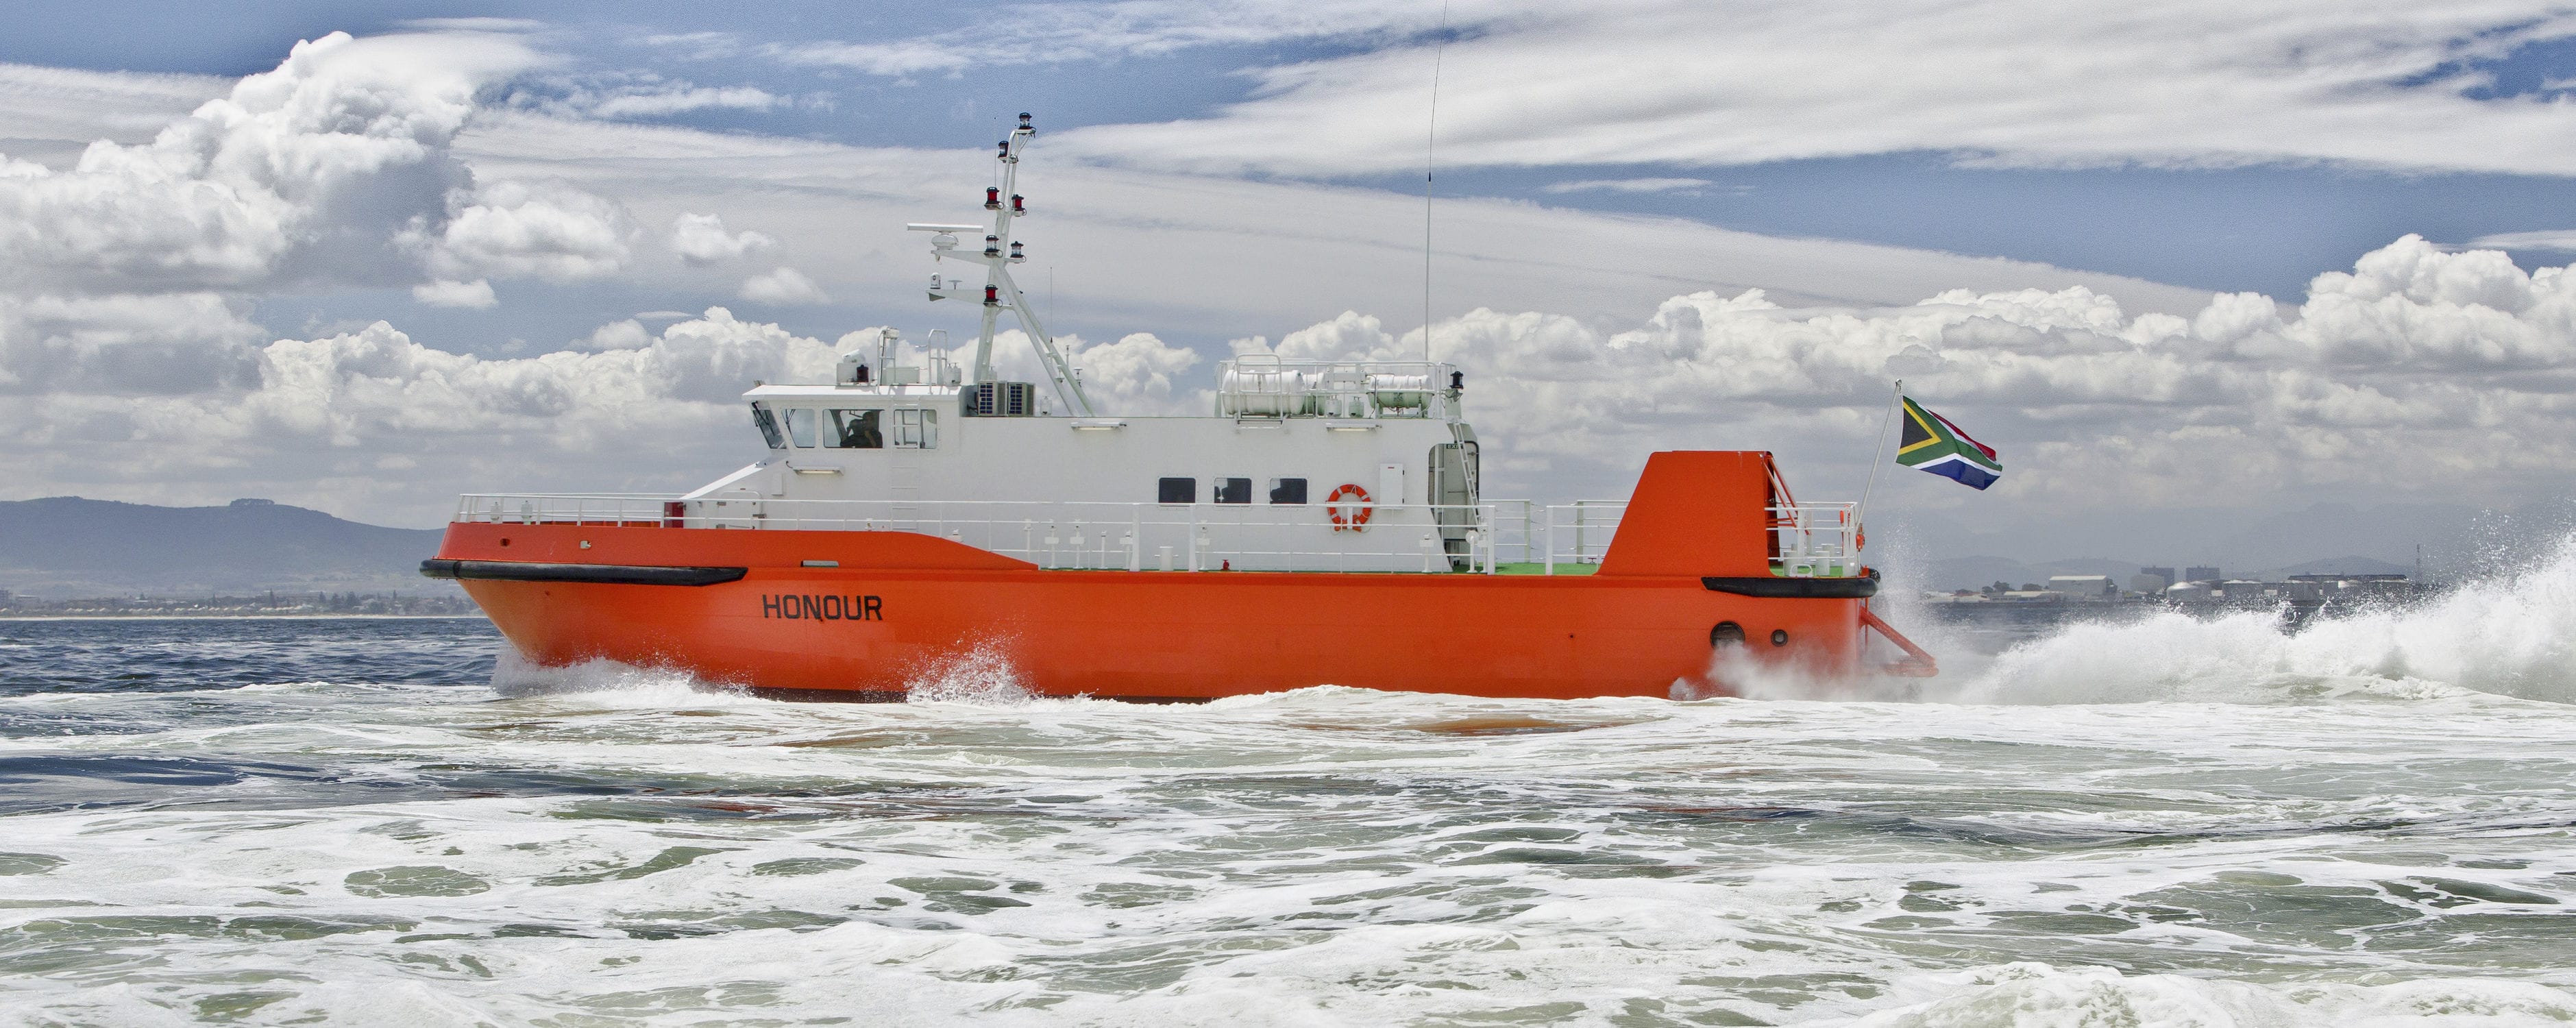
x=1000, y=292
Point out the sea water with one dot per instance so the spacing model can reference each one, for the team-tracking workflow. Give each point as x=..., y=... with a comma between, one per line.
x=2163, y=821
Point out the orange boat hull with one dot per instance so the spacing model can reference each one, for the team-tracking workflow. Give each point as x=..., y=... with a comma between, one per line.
x=1141, y=635
x=875, y=614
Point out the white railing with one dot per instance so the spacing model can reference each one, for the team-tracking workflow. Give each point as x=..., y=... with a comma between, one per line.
x=1577, y=533
x=1266, y=386
x=1814, y=539
x=1071, y=536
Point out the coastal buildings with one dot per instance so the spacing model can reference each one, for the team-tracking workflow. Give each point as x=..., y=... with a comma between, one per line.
x=2303, y=592
x=2085, y=588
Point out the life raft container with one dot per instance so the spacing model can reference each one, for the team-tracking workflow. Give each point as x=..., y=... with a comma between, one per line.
x=1348, y=507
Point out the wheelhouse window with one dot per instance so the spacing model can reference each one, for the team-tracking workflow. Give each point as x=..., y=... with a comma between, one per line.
x=1291, y=491
x=800, y=425
x=1234, y=490
x=855, y=430
x=916, y=429
x=768, y=425
x=1177, y=490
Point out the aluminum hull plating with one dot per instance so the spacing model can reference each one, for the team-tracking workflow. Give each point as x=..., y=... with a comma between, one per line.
x=1143, y=635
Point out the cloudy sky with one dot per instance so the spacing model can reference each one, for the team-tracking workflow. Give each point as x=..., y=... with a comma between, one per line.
x=2188, y=265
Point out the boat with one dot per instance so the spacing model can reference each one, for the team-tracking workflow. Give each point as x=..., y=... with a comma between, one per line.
x=1324, y=524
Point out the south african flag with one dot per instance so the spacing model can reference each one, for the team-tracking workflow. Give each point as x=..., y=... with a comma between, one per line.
x=1931, y=443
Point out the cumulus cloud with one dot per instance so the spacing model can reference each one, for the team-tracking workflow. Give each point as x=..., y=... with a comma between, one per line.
x=618, y=335
x=286, y=162
x=127, y=345
x=701, y=239
x=307, y=416
x=2020, y=82
x=2416, y=371
x=520, y=229
x=785, y=286
x=2413, y=372
x=301, y=177
x=1138, y=374
x=475, y=295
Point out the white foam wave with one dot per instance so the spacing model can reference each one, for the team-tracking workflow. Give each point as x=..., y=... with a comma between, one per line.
x=517, y=677
x=2038, y=994
x=981, y=674
x=2512, y=635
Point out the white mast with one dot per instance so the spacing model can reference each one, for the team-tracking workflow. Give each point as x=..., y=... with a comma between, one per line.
x=1000, y=292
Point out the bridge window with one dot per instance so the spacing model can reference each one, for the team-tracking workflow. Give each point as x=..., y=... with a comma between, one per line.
x=1288, y=491
x=855, y=430
x=1234, y=490
x=1177, y=490
x=800, y=425
x=768, y=425
x=916, y=429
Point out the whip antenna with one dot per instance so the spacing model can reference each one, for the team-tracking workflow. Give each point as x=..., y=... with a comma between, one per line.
x=1895, y=395
x=1431, y=135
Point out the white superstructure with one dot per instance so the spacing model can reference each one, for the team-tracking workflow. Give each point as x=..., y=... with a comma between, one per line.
x=1302, y=465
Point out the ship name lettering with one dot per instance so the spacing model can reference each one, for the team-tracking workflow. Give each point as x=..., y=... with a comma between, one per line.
x=810, y=607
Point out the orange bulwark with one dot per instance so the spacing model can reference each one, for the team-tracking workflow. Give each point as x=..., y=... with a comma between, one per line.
x=862, y=614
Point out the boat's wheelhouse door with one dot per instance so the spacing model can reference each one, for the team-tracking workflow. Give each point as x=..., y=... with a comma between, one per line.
x=1453, y=490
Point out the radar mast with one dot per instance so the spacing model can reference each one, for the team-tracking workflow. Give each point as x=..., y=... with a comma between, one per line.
x=1000, y=292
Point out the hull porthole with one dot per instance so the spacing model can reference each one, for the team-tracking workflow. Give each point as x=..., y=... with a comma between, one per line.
x=1779, y=637
x=1727, y=633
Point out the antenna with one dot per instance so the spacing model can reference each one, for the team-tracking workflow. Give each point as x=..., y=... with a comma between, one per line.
x=1430, y=136
x=1000, y=292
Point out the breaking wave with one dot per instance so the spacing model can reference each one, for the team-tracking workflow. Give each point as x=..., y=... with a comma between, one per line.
x=516, y=677
x=981, y=674
x=2510, y=635
x=2038, y=994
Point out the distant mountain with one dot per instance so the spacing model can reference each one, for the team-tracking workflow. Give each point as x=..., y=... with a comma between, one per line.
x=2454, y=540
x=1979, y=572
x=2379, y=533
x=2336, y=566
x=65, y=546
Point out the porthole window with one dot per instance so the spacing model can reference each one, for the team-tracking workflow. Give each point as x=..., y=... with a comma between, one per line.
x=1288, y=491
x=1233, y=490
x=1177, y=490
x=1779, y=637
x=1727, y=633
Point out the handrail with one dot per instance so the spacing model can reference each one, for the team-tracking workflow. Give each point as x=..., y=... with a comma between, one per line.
x=1068, y=534
x=1810, y=539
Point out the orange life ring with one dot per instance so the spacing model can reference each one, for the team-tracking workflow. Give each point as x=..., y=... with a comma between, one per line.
x=1353, y=519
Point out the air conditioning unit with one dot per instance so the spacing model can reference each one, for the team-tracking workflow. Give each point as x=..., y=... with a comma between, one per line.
x=1001, y=400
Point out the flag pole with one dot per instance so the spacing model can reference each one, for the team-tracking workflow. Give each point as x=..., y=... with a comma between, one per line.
x=1875, y=460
